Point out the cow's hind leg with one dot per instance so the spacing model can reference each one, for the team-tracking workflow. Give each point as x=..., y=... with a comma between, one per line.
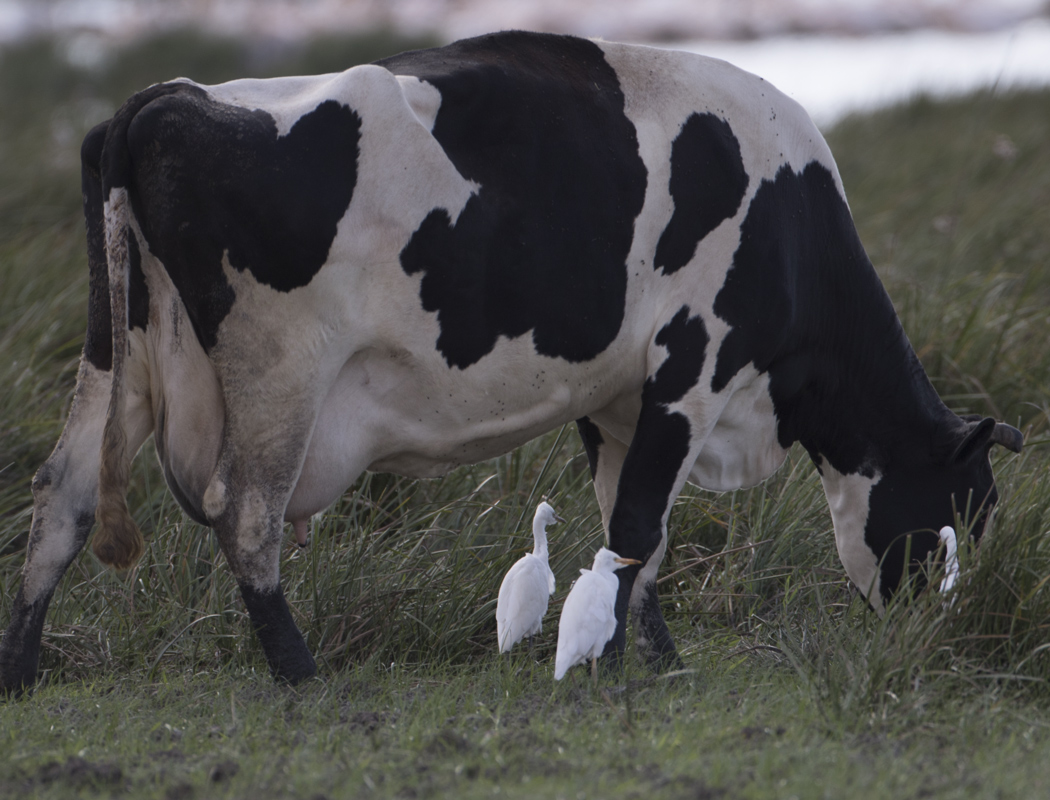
x=245, y=502
x=250, y=528
x=665, y=445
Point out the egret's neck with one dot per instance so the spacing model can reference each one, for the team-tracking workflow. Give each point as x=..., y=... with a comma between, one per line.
x=539, y=538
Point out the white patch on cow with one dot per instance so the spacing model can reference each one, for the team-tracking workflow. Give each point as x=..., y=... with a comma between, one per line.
x=285, y=99
x=393, y=410
x=253, y=518
x=742, y=448
x=115, y=239
x=423, y=98
x=214, y=501
x=849, y=498
x=274, y=376
x=662, y=88
x=611, y=455
x=403, y=174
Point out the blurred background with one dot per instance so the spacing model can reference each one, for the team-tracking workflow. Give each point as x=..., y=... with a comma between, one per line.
x=834, y=56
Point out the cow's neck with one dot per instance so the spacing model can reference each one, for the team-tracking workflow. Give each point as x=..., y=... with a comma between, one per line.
x=847, y=383
x=876, y=415
x=858, y=399
x=871, y=412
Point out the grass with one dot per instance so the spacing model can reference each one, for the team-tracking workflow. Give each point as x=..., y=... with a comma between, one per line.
x=388, y=732
x=153, y=684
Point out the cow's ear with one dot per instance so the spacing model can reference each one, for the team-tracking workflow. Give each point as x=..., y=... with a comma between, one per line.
x=978, y=439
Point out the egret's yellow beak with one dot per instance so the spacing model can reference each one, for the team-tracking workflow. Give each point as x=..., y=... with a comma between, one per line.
x=627, y=561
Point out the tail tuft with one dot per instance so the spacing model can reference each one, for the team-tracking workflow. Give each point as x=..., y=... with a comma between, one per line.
x=117, y=543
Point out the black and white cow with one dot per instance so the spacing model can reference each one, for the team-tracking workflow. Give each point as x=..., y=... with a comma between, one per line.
x=427, y=261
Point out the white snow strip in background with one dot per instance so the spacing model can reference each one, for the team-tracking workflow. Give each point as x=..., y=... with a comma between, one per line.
x=625, y=20
x=833, y=56
x=833, y=76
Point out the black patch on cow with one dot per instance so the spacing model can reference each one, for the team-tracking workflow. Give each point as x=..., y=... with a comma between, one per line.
x=919, y=495
x=98, y=342
x=211, y=179
x=592, y=441
x=538, y=122
x=286, y=651
x=806, y=306
x=650, y=470
x=661, y=440
x=685, y=339
x=708, y=182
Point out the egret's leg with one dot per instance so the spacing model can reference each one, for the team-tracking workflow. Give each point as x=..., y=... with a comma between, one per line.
x=594, y=670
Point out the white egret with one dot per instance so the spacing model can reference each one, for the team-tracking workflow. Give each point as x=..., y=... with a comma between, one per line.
x=527, y=587
x=588, y=618
x=951, y=558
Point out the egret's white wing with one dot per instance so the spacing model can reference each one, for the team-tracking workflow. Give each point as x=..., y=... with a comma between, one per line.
x=588, y=621
x=522, y=602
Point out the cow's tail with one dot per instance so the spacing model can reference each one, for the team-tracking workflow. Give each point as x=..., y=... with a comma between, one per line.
x=117, y=541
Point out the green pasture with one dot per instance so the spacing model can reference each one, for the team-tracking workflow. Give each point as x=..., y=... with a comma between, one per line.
x=154, y=687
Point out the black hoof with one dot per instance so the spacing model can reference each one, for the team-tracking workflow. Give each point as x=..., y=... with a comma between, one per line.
x=286, y=651
x=294, y=674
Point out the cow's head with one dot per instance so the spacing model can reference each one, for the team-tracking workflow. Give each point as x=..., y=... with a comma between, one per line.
x=921, y=488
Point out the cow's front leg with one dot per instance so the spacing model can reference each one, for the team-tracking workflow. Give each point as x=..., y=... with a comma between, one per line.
x=634, y=501
x=665, y=445
x=649, y=482
x=286, y=652
x=247, y=516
